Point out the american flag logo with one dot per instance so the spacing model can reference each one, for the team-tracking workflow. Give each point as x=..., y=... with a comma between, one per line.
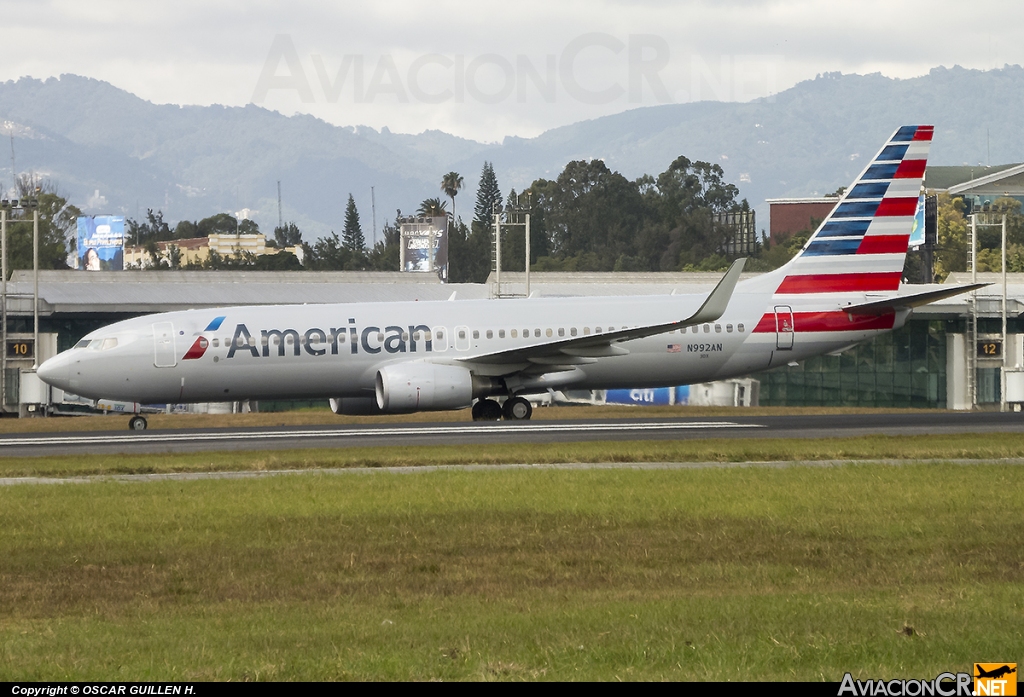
x=675, y=348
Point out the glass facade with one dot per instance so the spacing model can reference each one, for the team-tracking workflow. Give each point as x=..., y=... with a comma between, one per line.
x=904, y=368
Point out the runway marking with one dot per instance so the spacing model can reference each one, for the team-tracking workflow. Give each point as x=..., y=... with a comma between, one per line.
x=466, y=429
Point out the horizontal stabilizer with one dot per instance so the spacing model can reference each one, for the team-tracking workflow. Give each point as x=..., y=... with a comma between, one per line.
x=897, y=302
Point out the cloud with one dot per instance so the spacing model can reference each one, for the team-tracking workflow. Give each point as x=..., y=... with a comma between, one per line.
x=506, y=68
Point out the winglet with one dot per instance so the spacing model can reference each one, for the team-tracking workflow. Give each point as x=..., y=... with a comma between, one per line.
x=716, y=303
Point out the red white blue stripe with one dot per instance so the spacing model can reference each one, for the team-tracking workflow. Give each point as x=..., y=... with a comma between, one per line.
x=862, y=245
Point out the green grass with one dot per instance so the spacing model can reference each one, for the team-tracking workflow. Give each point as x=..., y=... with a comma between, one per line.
x=932, y=447
x=740, y=573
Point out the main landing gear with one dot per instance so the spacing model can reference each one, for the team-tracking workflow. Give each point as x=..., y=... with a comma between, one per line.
x=137, y=423
x=514, y=409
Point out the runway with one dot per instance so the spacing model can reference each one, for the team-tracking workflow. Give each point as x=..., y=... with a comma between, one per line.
x=547, y=431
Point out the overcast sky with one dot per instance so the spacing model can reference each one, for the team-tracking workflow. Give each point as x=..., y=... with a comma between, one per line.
x=486, y=69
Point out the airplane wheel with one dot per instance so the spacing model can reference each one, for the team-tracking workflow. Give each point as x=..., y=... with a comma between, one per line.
x=486, y=410
x=137, y=423
x=517, y=409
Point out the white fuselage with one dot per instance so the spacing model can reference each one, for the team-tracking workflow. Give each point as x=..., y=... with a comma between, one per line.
x=323, y=351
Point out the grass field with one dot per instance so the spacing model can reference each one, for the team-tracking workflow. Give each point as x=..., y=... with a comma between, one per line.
x=989, y=446
x=741, y=573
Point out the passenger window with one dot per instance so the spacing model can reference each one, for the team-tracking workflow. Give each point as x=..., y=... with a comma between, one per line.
x=536, y=333
x=707, y=328
x=439, y=334
x=547, y=332
x=515, y=333
x=216, y=343
x=586, y=331
x=501, y=333
x=405, y=336
x=476, y=333
x=597, y=330
x=573, y=331
x=718, y=329
x=342, y=336
x=380, y=336
x=561, y=331
x=739, y=328
x=728, y=328
x=462, y=333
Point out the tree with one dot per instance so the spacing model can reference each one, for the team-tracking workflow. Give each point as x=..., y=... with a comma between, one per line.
x=248, y=227
x=951, y=228
x=153, y=229
x=355, y=243
x=386, y=254
x=451, y=183
x=692, y=195
x=592, y=216
x=327, y=254
x=488, y=195
x=287, y=235
x=57, y=227
x=218, y=224
x=431, y=208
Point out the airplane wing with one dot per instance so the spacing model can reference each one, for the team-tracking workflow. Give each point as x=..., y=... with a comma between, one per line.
x=581, y=350
x=911, y=300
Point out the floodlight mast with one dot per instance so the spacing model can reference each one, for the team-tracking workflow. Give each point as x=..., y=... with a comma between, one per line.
x=3, y=303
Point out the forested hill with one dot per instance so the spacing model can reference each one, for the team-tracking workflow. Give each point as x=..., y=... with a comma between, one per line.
x=191, y=162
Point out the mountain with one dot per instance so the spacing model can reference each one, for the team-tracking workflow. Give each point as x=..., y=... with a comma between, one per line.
x=194, y=161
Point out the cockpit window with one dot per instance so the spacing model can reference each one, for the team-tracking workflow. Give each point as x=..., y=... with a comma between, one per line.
x=108, y=343
x=83, y=343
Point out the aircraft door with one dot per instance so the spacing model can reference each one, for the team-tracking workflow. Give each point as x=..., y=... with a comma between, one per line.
x=164, y=355
x=784, y=329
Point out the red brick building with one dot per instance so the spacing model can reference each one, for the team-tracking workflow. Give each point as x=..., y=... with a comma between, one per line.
x=787, y=216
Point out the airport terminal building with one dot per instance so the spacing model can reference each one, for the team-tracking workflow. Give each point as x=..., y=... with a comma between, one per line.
x=948, y=356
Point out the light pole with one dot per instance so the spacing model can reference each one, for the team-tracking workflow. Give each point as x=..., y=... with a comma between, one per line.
x=3, y=303
x=31, y=203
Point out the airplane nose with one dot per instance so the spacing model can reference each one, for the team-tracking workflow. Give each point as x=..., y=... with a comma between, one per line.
x=56, y=371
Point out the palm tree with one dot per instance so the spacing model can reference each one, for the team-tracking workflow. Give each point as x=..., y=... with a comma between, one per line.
x=450, y=185
x=431, y=207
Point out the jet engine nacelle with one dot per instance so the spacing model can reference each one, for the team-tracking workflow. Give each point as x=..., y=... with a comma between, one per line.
x=423, y=387
x=355, y=406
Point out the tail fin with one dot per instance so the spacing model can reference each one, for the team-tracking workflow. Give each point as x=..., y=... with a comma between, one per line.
x=862, y=245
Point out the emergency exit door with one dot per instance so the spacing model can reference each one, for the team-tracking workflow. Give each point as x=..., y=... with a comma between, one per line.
x=784, y=328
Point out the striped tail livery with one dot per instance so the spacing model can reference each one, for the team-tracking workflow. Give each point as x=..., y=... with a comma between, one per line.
x=845, y=284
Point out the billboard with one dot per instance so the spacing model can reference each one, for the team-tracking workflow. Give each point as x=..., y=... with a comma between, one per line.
x=101, y=243
x=425, y=245
x=917, y=234
x=658, y=396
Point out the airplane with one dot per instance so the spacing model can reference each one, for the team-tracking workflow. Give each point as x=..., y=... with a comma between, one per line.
x=995, y=672
x=844, y=287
